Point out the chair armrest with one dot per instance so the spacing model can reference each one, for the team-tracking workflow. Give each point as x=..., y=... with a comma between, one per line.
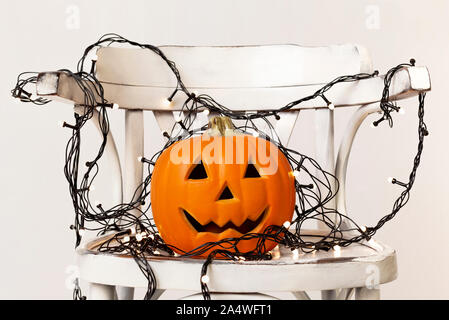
x=60, y=86
x=111, y=154
x=411, y=81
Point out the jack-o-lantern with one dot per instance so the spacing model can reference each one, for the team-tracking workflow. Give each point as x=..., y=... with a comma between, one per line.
x=220, y=185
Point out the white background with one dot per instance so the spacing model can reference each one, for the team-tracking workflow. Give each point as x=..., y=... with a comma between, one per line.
x=35, y=241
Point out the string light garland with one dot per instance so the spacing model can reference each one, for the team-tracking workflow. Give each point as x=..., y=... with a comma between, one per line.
x=77, y=295
x=139, y=236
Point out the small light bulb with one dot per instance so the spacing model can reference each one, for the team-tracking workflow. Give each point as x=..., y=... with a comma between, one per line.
x=331, y=106
x=363, y=228
x=206, y=112
x=255, y=134
x=92, y=187
x=205, y=279
x=139, y=158
x=296, y=173
x=390, y=179
x=82, y=232
x=126, y=239
x=337, y=251
x=132, y=230
x=242, y=258
x=286, y=224
x=151, y=236
x=166, y=103
x=372, y=125
x=94, y=57
x=115, y=106
x=401, y=111
x=97, y=203
x=156, y=252
x=139, y=237
x=61, y=124
x=295, y=254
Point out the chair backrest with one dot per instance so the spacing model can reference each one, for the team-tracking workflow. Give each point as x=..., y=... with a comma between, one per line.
x=245, y=78
x=241, y=78
x=231, y=67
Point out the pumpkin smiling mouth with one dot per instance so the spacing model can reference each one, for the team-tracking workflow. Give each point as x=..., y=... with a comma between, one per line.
x=212, y=227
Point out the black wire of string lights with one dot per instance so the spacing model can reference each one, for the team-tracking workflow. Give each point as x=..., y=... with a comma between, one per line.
x=138, y=236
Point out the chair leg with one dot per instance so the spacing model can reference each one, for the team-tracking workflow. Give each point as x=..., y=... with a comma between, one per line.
x=101, y=292
x=231, y=296
x=301, y=295
x=345, y=294
x=124, y=293
x=328, y=294
x=364, y=293
x=157, y=294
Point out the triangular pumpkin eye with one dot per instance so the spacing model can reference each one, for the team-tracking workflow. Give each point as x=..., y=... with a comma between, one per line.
x=251, y=171
x=199, y=172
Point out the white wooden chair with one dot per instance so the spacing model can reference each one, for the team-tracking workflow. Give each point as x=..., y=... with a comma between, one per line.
x=256, y=78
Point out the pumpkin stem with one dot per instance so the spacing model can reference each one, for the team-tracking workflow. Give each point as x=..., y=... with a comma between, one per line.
x=221, y=124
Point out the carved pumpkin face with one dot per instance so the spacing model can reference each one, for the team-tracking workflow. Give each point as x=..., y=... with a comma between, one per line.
x=221, y=187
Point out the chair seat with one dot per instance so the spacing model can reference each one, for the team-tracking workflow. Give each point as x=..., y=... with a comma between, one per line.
x=351, y=267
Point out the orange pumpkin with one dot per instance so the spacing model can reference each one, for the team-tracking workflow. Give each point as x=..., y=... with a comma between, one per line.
x=220, y=185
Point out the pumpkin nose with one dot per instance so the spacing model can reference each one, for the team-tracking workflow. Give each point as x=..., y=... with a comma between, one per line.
x=226, y=194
